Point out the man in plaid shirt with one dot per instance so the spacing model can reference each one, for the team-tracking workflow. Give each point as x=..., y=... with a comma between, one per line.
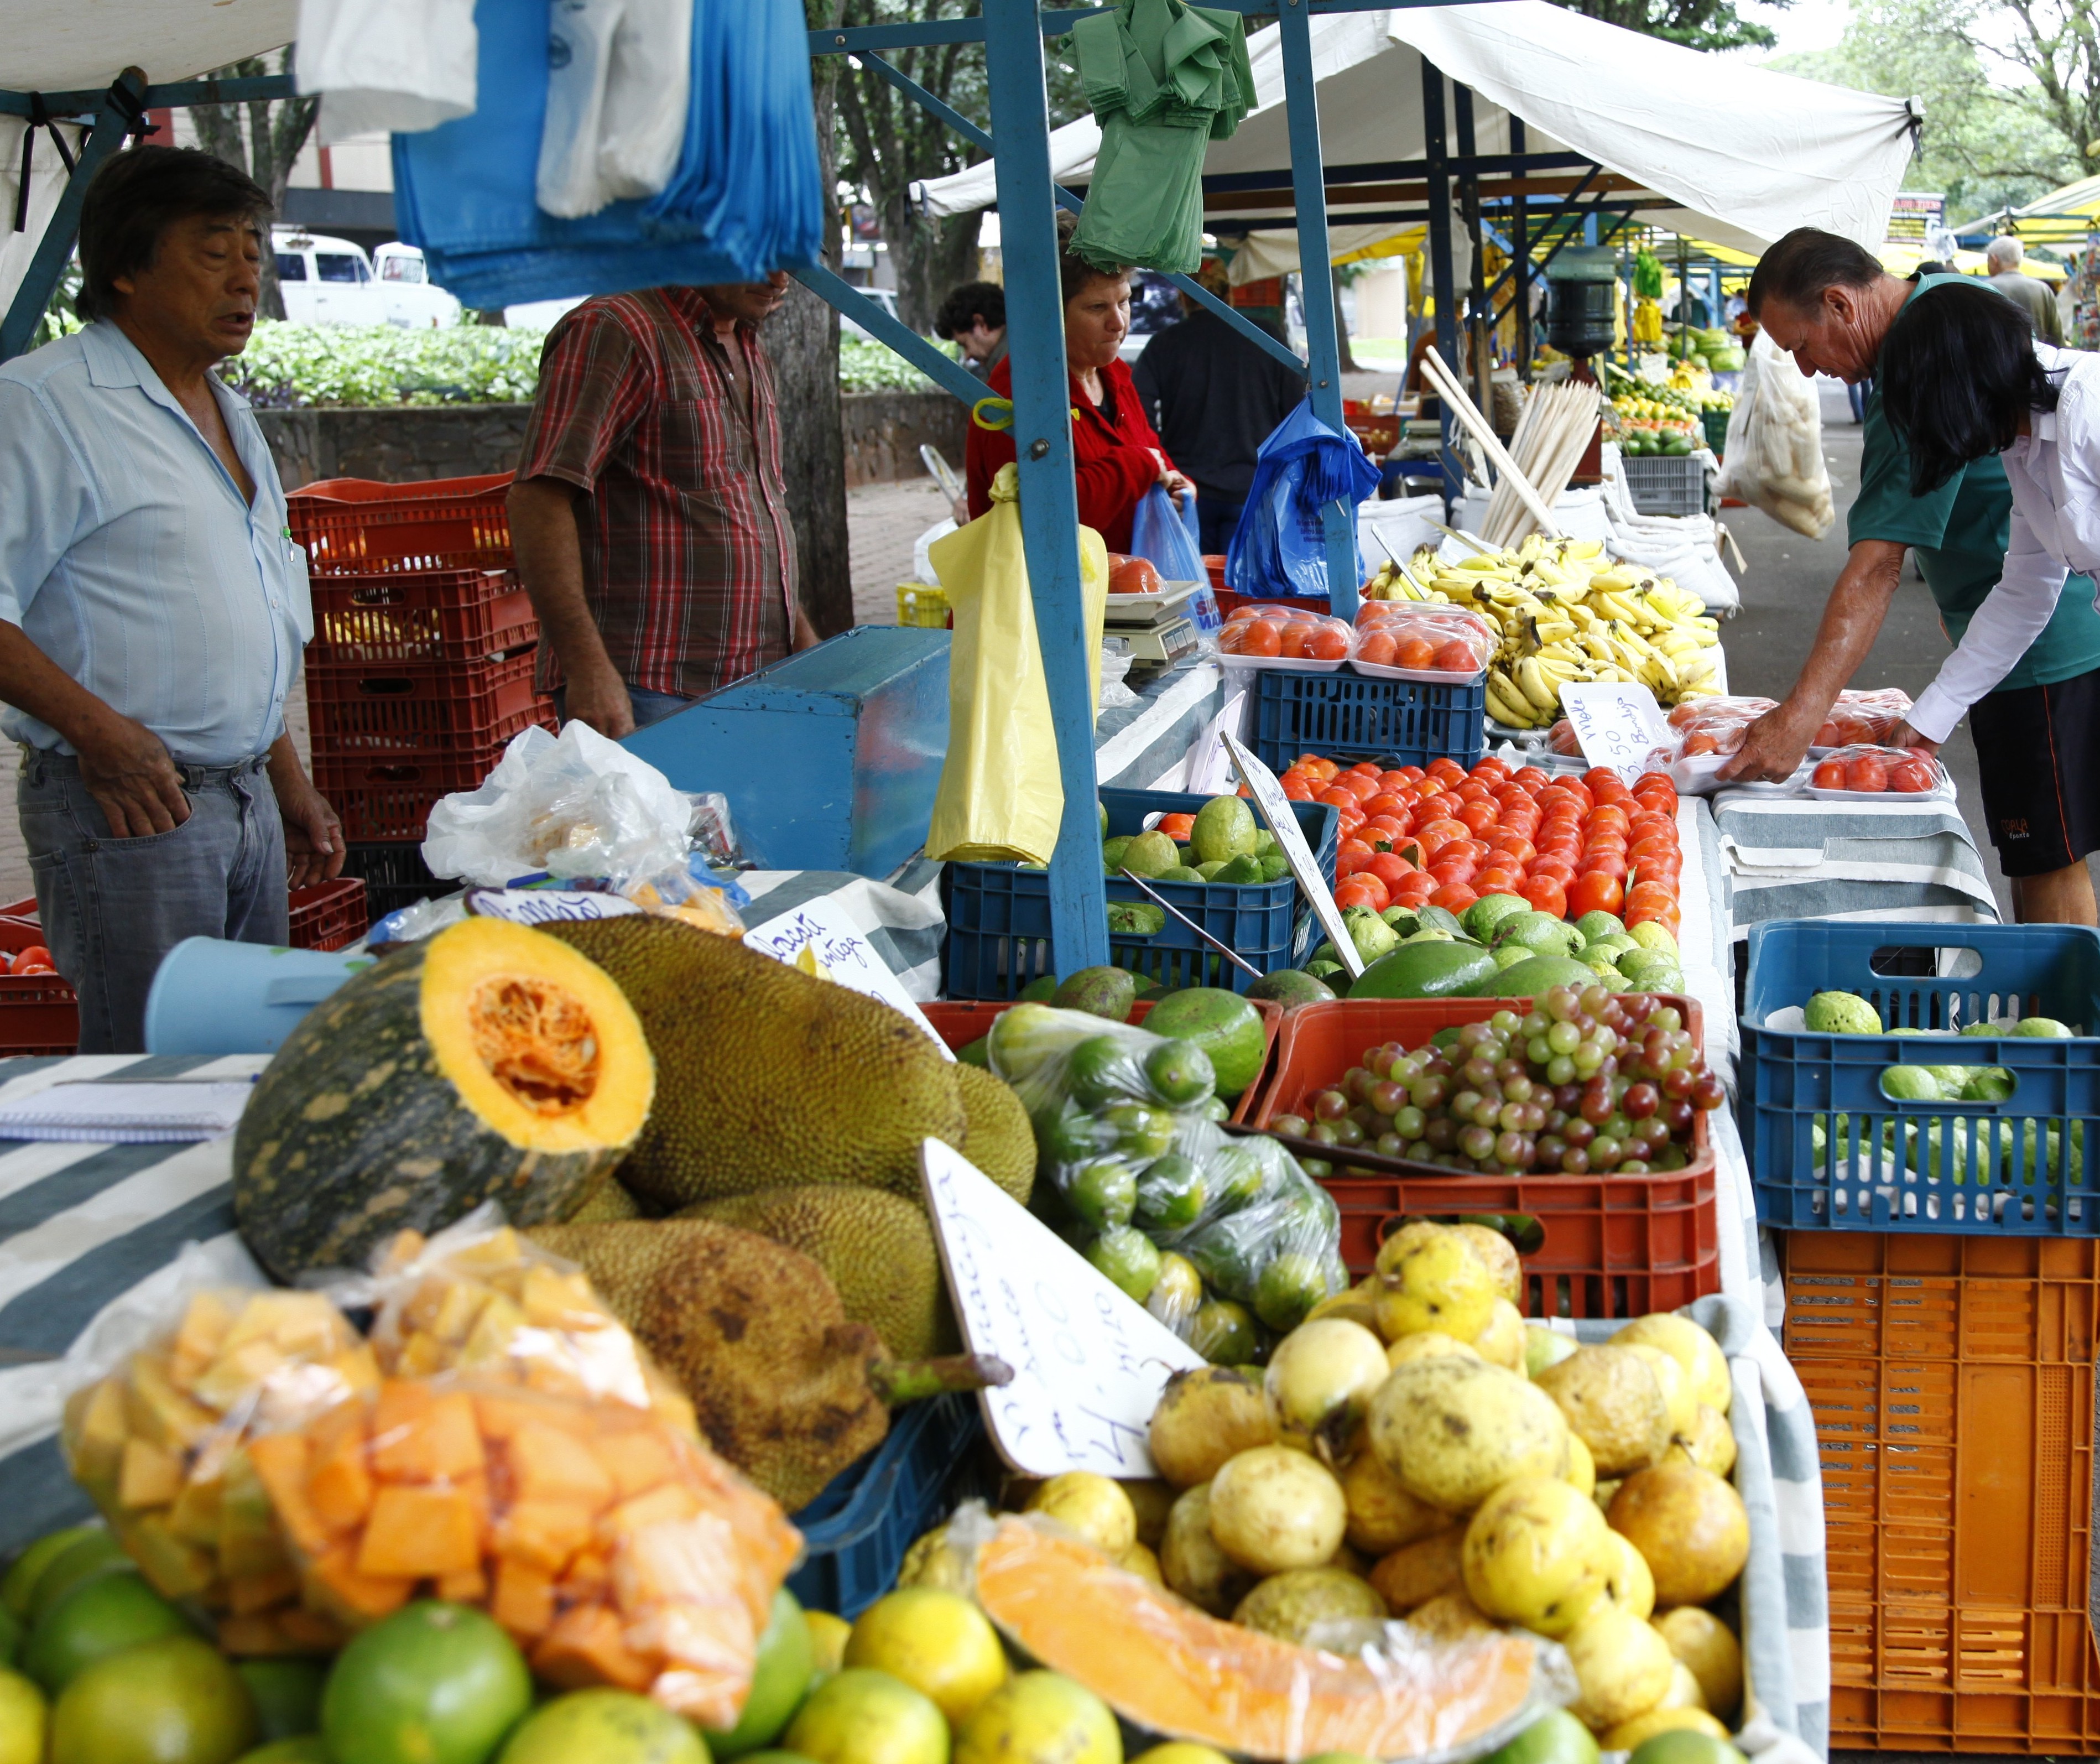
x=650, y=514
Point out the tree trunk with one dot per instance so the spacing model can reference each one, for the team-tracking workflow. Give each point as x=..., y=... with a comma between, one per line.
x=930, y=257
x=1348, y=361
x=275, y=134
x=802, y=339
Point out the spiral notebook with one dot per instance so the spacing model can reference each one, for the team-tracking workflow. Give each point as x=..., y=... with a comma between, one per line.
x=128, y=1114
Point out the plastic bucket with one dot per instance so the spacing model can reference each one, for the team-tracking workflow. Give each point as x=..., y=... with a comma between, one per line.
x=214, y=997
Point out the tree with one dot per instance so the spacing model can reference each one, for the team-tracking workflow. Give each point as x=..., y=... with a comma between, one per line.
x=2054, y=47
x=274, y=132
x=1708, y=25
x=802, y=340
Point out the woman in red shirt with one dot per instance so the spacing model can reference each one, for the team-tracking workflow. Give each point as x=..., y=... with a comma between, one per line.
x=1118, y=455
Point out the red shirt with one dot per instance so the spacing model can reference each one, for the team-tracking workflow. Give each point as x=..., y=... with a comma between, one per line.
x=688, y=553
x=1112, y=446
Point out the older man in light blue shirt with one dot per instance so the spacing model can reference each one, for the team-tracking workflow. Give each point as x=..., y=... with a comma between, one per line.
x=152, y=606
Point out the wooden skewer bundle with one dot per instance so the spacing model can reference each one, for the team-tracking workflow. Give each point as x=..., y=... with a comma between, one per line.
x=1550, y=437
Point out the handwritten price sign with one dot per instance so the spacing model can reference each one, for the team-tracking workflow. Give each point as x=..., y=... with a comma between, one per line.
x=1616, y=725
x=820, y=933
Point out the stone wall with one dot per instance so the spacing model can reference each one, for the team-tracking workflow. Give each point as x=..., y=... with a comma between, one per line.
x=400, y=444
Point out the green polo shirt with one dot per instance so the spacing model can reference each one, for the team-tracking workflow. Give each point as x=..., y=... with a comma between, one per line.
x=1960, y=532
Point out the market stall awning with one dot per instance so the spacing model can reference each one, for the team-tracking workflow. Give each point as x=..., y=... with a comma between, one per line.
x=1733, y=154
x=2065, y=216
x=60, y=45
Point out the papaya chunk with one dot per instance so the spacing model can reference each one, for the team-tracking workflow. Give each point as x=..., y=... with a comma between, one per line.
x=544, y=1534
x=418, y=1532
x=148, y=1475
x=524, y=1599
x=672, y=1502
x=333, y=1583
x=549, y=1465
x=638, y=1460
x=1166, y=1666
x=585, y=1648
x=247, y=1593
x=339, y=1484
x=419, y=1434
x=467, y=1586
x=280, y=1462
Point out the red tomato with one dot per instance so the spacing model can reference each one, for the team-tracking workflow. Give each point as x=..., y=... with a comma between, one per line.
x=1911, y=775
x=1412, y=773
x=1665, y=870
x=1445, y=767
x=1829, y=775
x=1365, y=769
x=1610, y=814
x=1388, y=867
x=1514, y=844
x=1666, y=916
x=1497, y=880
x=1453, y=870
x=1555, y=869
x=1546, y=895
x=1654, y=781
x=1611, y=863
x=1177, y=826
x=1454, y=897
x=1337, y=798
x=1473, y=791
x=1596, y=775
x=1480, y=816
x=1296, y=786
x=1385, y=803
x=1646, y=822
x=1387, y=827
x=1866, y=772
x=1654, y=846
x=1457, y=657
x=1351, y=820
x=1352, y=856
x=1399, y=780
x=1559, y=851
x=1609, y=840
x=1416, y=889
x=1533, y=778
x=1358, y=786
x=1364, y=890
x=1435, y=835
x=1594, y=893
x=1491, y=765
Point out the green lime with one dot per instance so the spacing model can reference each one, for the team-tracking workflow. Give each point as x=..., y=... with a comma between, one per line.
x=1129, y=1259
x=1223, y=1334
x=434, y=1683
x=28, y=1568
x=1179, y=1073
x=174, y=1699
x=1684, y=1745
x=607, y=1727
x=1236, y=1177
x=87, y=1558
x=1170, y=1194
x=11, y=1637
x=303, y=1748
x=287, y=1694
x=1070, y=1137
x=1103, y=1192
x=99, y=1617
x=786, y=1660
x=1557, y=1738
x=1097, y=1073
x=1141, y=1134
x=1290, y=1286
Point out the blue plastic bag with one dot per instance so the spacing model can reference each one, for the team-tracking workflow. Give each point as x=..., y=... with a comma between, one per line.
x=1279, y=546
x=1166, y=536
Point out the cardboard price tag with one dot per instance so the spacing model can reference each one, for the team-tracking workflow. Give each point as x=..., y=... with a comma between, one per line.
x=1089, y=1362
x=819, y=939
x=1274, y=807
x=1616, y=725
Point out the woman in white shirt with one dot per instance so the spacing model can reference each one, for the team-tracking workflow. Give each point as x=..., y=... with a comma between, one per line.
x=1961, y=376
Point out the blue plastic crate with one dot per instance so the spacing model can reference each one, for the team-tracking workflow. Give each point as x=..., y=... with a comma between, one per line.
x=998, y=914
x=856, y=1532
x=1998, y=1172
x=1349, y=717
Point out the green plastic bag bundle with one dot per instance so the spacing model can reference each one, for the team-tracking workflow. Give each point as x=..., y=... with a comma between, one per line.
x=1001, y=795
x=1163, y=79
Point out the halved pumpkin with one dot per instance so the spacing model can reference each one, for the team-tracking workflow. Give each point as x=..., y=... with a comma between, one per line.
x=489, y=1062
x=1168, y=1668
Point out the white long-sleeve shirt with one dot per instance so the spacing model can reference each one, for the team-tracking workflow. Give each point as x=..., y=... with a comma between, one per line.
x=2054, y=473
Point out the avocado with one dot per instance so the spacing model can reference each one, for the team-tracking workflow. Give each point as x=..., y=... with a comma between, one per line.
x=1289, y=987
x=1224, y=1024
x=1539, y=974
x=1427, y=970
x=976, y=1052
x=1040, y=990
x=1108, y=992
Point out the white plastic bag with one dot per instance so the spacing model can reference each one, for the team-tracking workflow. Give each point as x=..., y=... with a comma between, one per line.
x=387, y=65
x=572, y=805
x=616, y=90
x=1774, y=453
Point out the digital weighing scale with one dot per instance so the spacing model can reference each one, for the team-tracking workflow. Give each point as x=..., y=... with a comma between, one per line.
x=1157, y=631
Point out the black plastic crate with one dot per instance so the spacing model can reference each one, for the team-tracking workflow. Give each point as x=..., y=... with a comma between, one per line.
x=395, y=876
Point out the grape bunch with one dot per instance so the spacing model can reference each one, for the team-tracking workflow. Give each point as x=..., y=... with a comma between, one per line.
x=1588, y=1081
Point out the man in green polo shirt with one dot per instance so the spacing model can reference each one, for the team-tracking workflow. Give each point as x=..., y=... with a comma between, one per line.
x=1831, y=304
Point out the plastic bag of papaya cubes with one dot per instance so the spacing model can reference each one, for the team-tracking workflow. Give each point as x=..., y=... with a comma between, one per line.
x=613, y=1546
x=157, y=1440
x=477, y=1298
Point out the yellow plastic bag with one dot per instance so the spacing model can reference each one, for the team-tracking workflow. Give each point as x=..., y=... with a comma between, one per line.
x=1001, y=795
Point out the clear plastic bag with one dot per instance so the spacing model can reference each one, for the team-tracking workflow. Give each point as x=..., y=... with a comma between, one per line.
x=1773, y=457
x=712, y=831
x=616, y=1550
x=1224, y=1232
x=1295, y=638
x=1863, y=771
x=571, y=805
x=1862, y=719
x=1408, y=640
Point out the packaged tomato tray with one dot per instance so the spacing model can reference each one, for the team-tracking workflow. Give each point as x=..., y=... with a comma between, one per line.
x=1406, y=640
x=1294, y=639
x=1862, y=773
x=1861, y=719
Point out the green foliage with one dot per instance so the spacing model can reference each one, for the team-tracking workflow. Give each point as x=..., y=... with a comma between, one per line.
x=867, y=366
x=291, y=365
x=1708, y=25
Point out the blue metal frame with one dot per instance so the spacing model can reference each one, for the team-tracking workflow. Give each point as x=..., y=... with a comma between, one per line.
x=1443, y=289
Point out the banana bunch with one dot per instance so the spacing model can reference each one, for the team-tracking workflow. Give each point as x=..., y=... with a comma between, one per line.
x=1567, y=611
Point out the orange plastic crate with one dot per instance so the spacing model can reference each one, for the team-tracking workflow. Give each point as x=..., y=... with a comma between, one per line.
x=360, y=526
x=39, y=1013
x=1951, y=1381
x=422, y=615
x=962, y=1021
x=1614, y=1246
x=328, y=916
x=437, y=709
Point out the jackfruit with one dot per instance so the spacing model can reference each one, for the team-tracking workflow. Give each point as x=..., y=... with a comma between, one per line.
x=608, y=1202
x=877, y=1248
x=754, y=1331
x=998, y=1140
x=767, y=1076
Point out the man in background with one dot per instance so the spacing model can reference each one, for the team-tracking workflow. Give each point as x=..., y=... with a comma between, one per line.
x=974, y=319
x=2034, y=296
x=1215, y=396
x=650, y=512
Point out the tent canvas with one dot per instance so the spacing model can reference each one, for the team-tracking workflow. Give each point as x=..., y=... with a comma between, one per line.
x=60, y=45
x=1733, y=154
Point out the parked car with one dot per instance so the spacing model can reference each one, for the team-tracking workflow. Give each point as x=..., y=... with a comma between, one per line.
x=1155, y=304
x=326, y=280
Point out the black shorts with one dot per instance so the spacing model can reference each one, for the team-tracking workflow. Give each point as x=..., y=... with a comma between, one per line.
x=2038, y=749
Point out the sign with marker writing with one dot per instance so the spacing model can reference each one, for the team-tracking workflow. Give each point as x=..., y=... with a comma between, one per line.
x=818, y=938
x=1209, y=766
x=1089, y=1362
x=540, y=906
x=1616, y=725
x=1274, y=807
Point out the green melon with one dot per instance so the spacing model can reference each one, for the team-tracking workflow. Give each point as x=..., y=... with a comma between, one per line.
x=1541, y=973
x=1224, y=1024
x=489, y=1063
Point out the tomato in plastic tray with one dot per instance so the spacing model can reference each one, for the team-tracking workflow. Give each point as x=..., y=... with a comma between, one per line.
x=1863, y=771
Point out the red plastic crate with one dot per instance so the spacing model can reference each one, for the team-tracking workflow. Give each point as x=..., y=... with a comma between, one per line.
x=360, y=526
x=439, y=708
x=1615, y=1245
x=387, y=798
x=39, y=1013
x=426, y=616
x=328, y=916
x=962, y=1021
x=1950, y=1378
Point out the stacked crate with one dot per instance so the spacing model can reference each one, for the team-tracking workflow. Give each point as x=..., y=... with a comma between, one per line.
x=421, y=671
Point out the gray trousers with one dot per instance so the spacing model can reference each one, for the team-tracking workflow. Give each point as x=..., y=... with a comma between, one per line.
x=112, y=908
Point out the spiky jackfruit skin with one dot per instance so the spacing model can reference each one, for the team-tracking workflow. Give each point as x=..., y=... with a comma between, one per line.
x=999, y=1138
x=767, y=1076
x=877, y=1248
x=754, y=1332
x=607, y=1203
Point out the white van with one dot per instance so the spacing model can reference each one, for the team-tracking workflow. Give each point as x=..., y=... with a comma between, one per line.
x=330, y=282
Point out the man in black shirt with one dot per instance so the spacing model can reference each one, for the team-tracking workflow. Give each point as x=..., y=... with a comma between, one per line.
x=1214, y=397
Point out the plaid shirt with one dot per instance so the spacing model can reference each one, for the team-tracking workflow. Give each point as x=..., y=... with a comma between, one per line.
x=689, y=557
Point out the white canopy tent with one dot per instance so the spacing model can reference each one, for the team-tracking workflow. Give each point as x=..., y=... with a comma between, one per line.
x=1731, y=154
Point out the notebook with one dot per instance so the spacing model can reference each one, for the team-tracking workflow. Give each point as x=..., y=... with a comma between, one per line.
x=128, y=1114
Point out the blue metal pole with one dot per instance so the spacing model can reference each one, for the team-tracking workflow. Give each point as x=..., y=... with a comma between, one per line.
x=1521, y=259
x=1042, y=440
x=1315, y=283
x=111, y=125
x=949, y=374
x=1441, y=287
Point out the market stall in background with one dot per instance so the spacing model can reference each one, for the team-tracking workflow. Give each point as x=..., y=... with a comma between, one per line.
x=941, y=1202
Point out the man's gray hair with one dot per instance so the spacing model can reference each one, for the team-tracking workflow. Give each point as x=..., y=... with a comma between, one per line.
x=2003, y=254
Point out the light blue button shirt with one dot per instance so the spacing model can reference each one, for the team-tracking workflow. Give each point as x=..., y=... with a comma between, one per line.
x=128, y=557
